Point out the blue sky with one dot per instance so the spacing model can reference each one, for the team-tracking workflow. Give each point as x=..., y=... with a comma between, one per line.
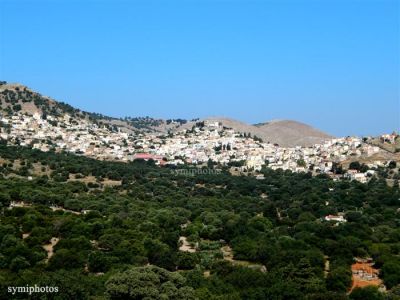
x=332, y=64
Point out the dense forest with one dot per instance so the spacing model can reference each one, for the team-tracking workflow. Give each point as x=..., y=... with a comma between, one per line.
x=246, y=238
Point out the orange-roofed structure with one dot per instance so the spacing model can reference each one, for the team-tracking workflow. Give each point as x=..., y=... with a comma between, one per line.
x=365, y=274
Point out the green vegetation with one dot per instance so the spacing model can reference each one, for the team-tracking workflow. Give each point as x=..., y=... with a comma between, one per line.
x=143, y=122
x=122, y=241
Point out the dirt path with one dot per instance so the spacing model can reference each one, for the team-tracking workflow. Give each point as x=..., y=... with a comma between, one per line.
x=49, y=248
x=327, y=266
x=278, y=214
x=185, y=245
x=228, y=256
x=227, y=253
x=55, y=208
x=18, y=204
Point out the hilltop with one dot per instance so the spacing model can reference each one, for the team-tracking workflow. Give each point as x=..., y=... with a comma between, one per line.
x=17, y=98
x=290, y=133
x=285, y=133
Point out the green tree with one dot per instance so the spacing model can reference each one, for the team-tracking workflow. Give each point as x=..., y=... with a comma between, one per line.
x=148, y=283
x=339, y=279
x=369, y=292
x=391, y=273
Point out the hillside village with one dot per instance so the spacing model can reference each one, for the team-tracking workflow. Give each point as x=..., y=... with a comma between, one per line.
x=206, y=141
x=30, y=119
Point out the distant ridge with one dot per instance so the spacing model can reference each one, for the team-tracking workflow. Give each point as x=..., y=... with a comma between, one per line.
x=292, y=133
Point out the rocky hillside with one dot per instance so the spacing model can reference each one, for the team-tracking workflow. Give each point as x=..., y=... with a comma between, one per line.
x=291, y=133
x=19, y=98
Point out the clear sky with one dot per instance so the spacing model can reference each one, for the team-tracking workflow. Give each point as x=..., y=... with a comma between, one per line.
x=331, y=64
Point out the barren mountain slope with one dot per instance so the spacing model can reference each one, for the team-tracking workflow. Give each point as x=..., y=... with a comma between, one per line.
x=292, y=133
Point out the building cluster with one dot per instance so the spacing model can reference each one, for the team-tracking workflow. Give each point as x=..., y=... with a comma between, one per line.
x=75, y=135
x=388, y=138
x=206, y=142
x=364, y=273
x=336, y=218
